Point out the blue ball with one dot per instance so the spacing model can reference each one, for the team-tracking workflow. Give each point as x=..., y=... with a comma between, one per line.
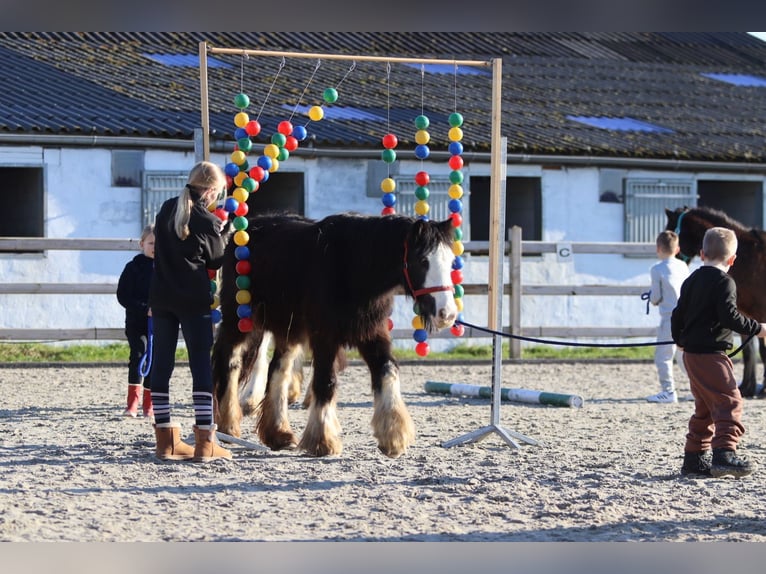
x=242, y=253
x=265, y=162
x=455, y=205
x=231, y=204
x=422, y=151
x=389, y=199
x=244, y=311
x=240, y=133
x=231, y=169
x=455, y=148
x=266, y=175
x=215, y=316
x=457, y=263
x=299, y=133
x=420, y=335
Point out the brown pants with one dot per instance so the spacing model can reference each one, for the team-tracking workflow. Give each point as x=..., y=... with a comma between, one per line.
x=716, y=421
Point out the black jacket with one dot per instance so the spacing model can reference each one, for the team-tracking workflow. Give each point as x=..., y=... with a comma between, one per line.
x=706, y=313
x=180, y=283
x=133, y=290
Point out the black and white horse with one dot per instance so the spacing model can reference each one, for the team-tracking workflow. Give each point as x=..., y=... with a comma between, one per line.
x=327, y=285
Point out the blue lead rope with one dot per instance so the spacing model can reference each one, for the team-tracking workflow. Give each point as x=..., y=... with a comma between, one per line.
x=145, y=364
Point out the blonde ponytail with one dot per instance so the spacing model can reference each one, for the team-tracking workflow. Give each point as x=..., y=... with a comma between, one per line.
x=205, y=180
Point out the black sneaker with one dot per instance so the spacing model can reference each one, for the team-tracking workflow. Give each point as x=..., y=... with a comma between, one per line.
x=697, y=464
x=727, y=463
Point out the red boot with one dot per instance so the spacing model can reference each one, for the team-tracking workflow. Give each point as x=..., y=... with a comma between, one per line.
x=147, y=404
x=132, y=409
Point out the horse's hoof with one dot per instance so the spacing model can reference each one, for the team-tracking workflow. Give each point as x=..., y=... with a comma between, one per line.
x=392, y=452
x=323, y=449
x=280, y=441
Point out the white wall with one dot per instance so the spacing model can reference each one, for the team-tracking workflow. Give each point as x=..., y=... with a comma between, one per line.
x=81, y=203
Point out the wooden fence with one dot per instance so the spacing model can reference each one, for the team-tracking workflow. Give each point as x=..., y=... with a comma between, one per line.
x=473, y=247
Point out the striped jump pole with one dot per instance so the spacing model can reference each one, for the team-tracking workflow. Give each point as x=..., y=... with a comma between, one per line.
x=517, y=395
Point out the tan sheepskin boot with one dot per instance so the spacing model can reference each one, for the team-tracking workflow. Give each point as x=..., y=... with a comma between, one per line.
x=206, y=447
x=169, y=443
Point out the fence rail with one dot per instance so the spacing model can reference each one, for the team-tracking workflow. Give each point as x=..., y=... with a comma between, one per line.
x=473, y=247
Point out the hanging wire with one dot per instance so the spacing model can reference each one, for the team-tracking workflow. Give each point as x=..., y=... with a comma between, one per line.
x=388, y=108
x=351, y=69
x=319, y=63
x=455, y=77
x=422, y=87
x=245, y=56
x=274, y=81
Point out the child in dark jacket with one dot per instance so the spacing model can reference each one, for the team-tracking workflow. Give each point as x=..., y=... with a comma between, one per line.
x=133, y=294
x=702, y=324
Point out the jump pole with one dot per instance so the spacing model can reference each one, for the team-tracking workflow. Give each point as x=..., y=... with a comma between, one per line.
x=516, y=395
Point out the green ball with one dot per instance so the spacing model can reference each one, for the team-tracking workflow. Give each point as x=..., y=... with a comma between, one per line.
x=330, y=95
x=422, y=193
x=245, y=144
x=243, y=282
x=278, y=139
x=240, y=223
x=241, y=101
x=422, y=122
x=248, y=184
x=459, y=291
x=458, y=234
x=455, y=120
x=389, y=156
x=456, y=176
x=283, y=154
x=213, y=286
x=416, y=308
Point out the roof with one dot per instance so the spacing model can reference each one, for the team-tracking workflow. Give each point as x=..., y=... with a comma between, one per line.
x=562, y=93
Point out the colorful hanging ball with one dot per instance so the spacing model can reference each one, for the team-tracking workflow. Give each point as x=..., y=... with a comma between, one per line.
x=245, y=144
x=455, y=120
x=245, y=325
x=459, y=291
x=422, y=122
x=300, y=133
x=211, y=273
x=388, y=156
x=316, y=113
x=455, y=148
x=389, y=199
x=422, y=192
x=390, y=324
x=213, y=286
x=422, y=349
x=387, y=211
x=457, y=276
x=457, y=233
x=215, y=316
x=243, y=297
x=457, y=219
x=458, y=248
x=274, y=165
x=249, y=185
x=241, y=238
x=420, y=335
x=240, y=223
x=242, y=252
x=242, y=209
x=390, y=141
x=265, y=177
x=455, y=162
x=231, y=169
x=422, y=137
x=455, y=134
x=457, y=330
x=330, y=95
x=458, y=262
x=388, y=185
x=418, y=323
x=241, y=119
x=240, y=177
x=422, y=151
x=265, y=162
x=283, y=154
x=278, y=139
x=456, y=176
x=422, y=207
x=455, y=191
x=270, y=150
x=291, y=143
x=253, y=128
x=238, y=157
x=241, y=101
x=243, y=267
x=244, y=311
x=285, y=128
x=240, y=133
x=230, y=204
x=455, y=205
x=256, y=173
x=422, y=178
x=242, y=282
x=221, y=213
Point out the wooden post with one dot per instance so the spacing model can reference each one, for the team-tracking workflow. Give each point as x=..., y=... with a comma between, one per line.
x=514, y=254
x=204, y=102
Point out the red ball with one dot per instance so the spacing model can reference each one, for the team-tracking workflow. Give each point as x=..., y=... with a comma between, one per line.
x=243, y=267
x=253, y=128
x=242, y=209
x=457, y=219
x=390, y=141
x=456, y=162
x=422, y=178
x=390, y=324
x=257, y=173
x=457, y=330
x=229, y=182
x=245, y=325
x=221, y=213
x=457, y=276
x=291, y=143
x=211, y=273
x=387, y=211
x=422, y=349
x=285, y=128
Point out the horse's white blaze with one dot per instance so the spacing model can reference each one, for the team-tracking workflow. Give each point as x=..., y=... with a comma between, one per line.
x=439, y=273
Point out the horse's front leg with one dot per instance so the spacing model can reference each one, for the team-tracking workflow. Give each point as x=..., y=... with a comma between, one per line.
x=253, y=388
x=747, y=387
x=321, y=437
x=273, y=425
x=229, y=356
x=391, y=421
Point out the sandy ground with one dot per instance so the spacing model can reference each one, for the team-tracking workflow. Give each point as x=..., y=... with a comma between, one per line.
x=73, y=469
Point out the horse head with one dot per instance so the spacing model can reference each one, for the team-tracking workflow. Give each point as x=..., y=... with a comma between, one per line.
x=689, y=231
x=428, y=261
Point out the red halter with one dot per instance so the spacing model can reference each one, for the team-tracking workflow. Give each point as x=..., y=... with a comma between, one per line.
x=418, y=292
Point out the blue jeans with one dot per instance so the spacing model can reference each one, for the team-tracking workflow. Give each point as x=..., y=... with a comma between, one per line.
x=198, y=335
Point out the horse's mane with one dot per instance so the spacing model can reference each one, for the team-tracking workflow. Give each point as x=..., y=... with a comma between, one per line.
x=719, y=219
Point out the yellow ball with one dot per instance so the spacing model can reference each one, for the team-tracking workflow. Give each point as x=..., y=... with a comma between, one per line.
x=457, y=247
x=216, y=302
x=240, y=177
x=455, y=134
x=274, y=165
x=455, y=191
x=422, y=207
x=459, y=303
x=238, y=157
x=243, y=297
x=240, y=194
x=241, y=119
x=241, y=237
x=316, y=113
x=417, y=322
x=271, y=150
x=388, y=185
x=422, y=137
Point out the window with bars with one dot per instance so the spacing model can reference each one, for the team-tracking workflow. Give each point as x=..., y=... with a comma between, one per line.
x=646, y=201
x=438, y=199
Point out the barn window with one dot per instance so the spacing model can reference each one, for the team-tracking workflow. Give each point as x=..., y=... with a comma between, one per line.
x=646, y=201
x=127, y=168
x=438, y=199
x=23, y=189
x=523, y=207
